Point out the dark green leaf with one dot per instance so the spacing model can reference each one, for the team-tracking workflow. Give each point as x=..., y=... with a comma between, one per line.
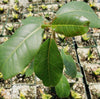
x=69, y=64
x=33, y=20
x=48, y=65
x=63, y=88
x=19, y=50
x=79, y=8
x=70, y=25
x=30, y=70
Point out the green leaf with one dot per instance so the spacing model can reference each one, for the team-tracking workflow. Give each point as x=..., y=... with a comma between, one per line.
x=76, y=95
x=69, y=64
x=33, y=20
x=17, y=52
x=48, y=65
x=63, y=88
x=85, y=37
x=70, y=25
x=30, y=70
x=46, y=96
x=79, y=75
x=79, y=8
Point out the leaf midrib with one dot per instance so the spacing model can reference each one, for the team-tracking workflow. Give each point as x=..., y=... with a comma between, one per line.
x=64, y=25
x=69, y=25
x=49, y=58
x=20, y=45
x=76, y=11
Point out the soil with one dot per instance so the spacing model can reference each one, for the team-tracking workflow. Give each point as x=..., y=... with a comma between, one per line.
x=96, y=37
x=3, y=39
x=83, y=55
x=22, y=79
x=5, y=7
x=28, y=91
x=65, y=41
x=95, y=91
x=77, y=87
x=82, y=43
x=5, y=83
x=90, y=76
x=3, y=18
x=5, y=93
x=19, y=79
x=15, y=26
x=98, y=47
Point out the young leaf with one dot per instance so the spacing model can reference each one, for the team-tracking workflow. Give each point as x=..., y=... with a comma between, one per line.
x=70, y=25
x=75, y=95
x=17, y=52
x=85, y=37
x=48, y=65
x=33, y=20
x=79, y=8
x=69, y=64
x=97, y=71
x=63, y=88
x=46, y=96
x=30, y=70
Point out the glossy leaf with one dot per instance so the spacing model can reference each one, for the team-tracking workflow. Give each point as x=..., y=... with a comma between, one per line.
x=63, y=88
x=79, y=8
x=70, y=25
x=20, y=49
x=48, y=65
x=33, y=20
x=69, y=64
x=30, y=70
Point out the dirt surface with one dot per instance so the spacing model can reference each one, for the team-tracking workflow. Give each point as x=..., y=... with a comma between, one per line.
x=13, y=87
x=77, y=87
x=84, y=43
x=95, y=91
